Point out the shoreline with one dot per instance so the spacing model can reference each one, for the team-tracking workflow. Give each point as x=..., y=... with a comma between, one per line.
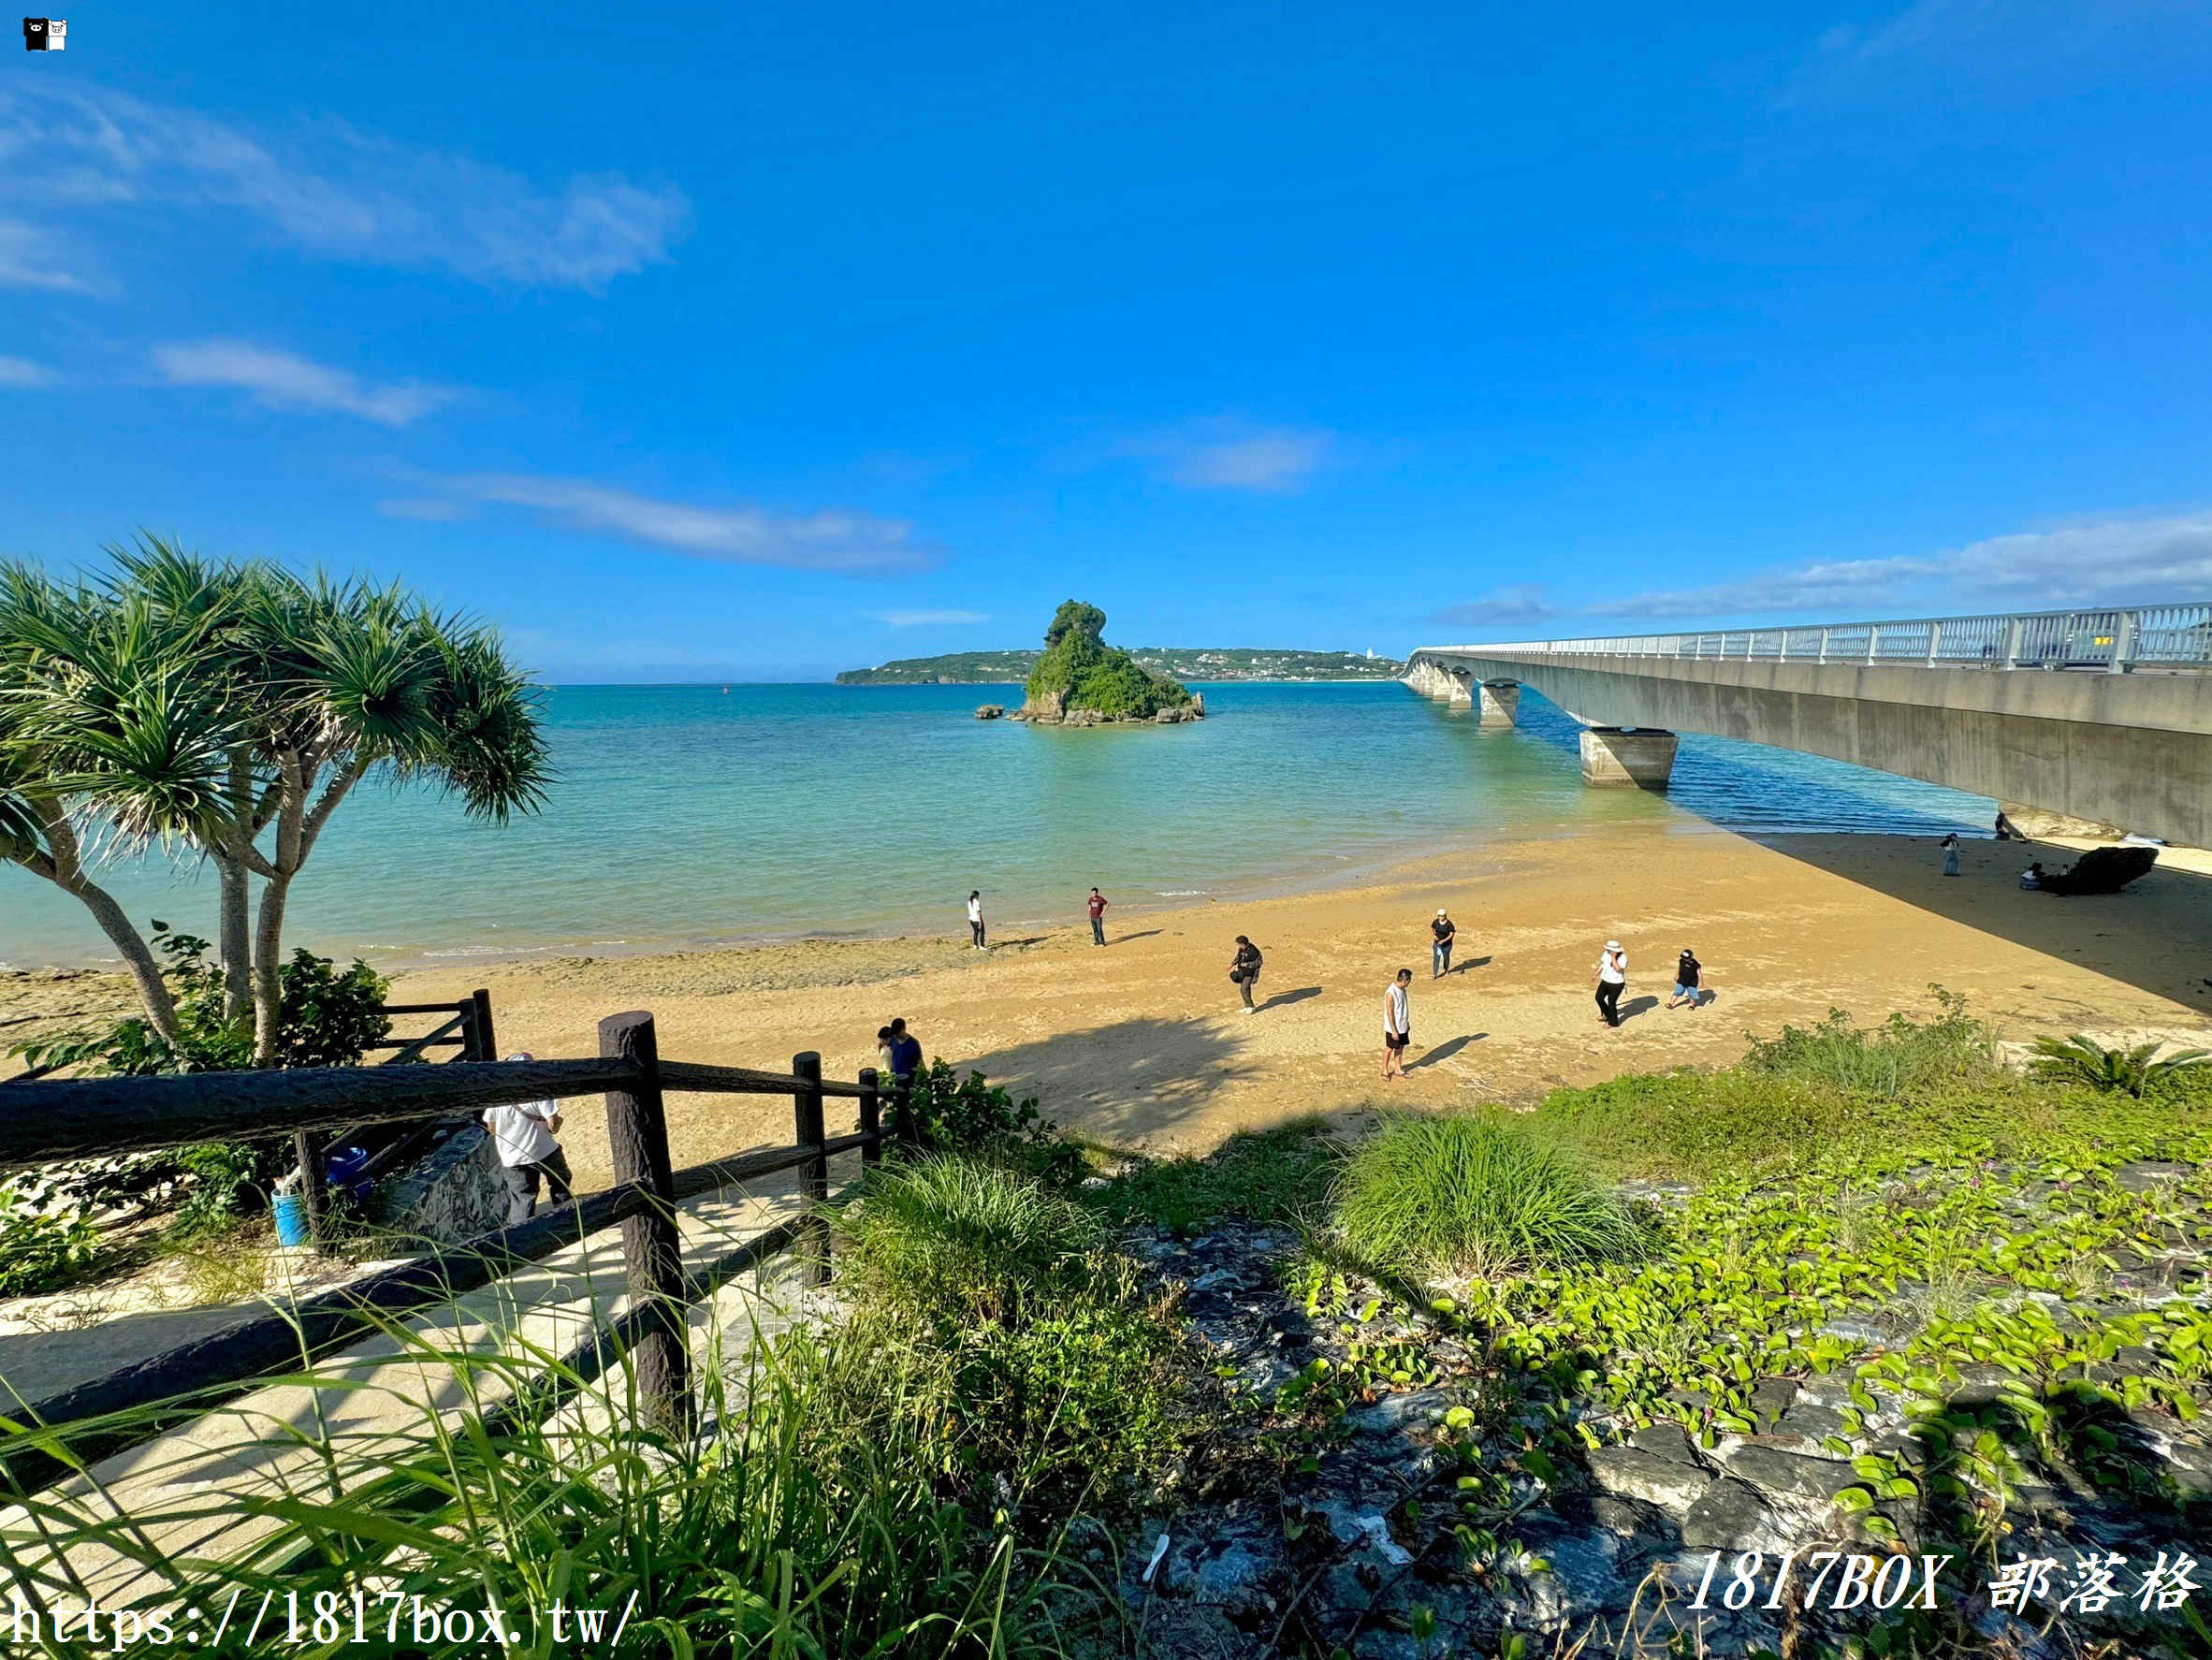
x=1377, y=865
x=1143, y=1044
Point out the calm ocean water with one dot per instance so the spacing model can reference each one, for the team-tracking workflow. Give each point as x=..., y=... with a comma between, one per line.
x=687, y=816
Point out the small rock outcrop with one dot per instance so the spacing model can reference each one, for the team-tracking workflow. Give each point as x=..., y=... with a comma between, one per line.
x=989, y=711
x=1083, y=681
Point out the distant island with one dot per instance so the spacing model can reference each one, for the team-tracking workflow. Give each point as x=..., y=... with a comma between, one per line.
x=1182, y=663
x=1080, y=680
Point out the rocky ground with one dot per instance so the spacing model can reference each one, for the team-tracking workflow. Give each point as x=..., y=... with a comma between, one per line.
x=1417, y=1513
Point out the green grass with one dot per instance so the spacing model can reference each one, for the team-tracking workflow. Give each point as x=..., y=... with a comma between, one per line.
x=953, y=1241
x=816, y=1519
x=1258, y=1175
x=1474, y=1193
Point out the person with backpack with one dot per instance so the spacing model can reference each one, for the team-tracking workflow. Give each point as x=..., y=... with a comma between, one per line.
x=1243, y=974
x=1687, y=970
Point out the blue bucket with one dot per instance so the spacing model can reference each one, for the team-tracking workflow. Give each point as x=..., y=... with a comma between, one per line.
x=291, y=1219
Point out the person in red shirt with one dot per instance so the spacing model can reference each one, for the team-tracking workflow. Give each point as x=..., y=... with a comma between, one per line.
x=1097, y=910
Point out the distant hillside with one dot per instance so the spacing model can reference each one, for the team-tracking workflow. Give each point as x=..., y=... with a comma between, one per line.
x=1185, y=662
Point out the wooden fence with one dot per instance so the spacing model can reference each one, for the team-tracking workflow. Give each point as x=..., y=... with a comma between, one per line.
x=76, y=1118
x=466, y=1028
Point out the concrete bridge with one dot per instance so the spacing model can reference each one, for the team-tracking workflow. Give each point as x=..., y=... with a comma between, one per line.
x=2098, y=715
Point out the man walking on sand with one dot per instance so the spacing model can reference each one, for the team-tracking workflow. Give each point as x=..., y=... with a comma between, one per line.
x=523, y=1135
x=975, y=917
x=1397, y=1023
x=1440, y=952
x=1097, y=906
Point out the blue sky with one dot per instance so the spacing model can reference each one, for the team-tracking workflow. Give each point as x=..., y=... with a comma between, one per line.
x=710, y=342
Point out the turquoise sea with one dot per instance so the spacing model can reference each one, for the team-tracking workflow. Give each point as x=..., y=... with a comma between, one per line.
x=689, y=815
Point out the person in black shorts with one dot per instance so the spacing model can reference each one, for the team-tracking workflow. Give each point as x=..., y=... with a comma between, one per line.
x=1397, y=1023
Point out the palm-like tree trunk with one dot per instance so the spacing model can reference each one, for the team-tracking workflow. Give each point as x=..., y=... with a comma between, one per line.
x=62, y=863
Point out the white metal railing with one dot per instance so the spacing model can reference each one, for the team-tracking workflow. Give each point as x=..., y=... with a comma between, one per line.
x=2113, y=640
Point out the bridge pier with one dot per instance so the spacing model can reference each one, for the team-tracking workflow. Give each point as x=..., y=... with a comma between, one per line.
x=1462, y=688
x=1627, y=757
x=1501, y=703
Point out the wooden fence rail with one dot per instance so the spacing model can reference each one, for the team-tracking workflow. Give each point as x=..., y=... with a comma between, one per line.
x=80, y=1117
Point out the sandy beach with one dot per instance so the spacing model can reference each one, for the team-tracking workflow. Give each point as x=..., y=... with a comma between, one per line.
x=1143, y=1044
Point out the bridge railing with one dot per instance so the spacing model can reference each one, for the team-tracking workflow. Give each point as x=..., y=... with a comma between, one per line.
x=2115, y=640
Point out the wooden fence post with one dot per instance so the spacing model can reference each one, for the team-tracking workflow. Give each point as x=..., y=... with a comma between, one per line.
x=813, y=1245
x=871, y=1119
x=637, y=1135
x=314, y=1193
x=487, y=1046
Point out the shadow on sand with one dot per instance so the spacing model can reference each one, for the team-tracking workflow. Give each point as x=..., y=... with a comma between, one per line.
x=1446, y=1050
x=1121, y=1082
x=1283, y=998
x=2156, y=935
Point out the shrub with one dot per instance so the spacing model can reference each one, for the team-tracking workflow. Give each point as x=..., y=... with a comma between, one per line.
x=952, y=1240
x=1044, y=1350
x=326, y=1019
x=1477, y=1194
x=2081, y=1060
x=945, y=1112
x=1901, y=1057
x=1262, y=1175
x=47, y=1238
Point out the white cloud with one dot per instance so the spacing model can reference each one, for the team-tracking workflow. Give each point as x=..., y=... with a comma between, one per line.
x=22, y=371
x=832, y=539
x=32, y=257
x=1230, y=456
x=1522, y=601
x=2099, y=562
x=1977, y=46
x=2105, y=562
x=282, y=381
x=927, y=618
x=324, y=188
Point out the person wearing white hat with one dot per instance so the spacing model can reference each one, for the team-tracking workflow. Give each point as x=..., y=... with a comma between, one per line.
x=1612, y=979
x=1440, y=952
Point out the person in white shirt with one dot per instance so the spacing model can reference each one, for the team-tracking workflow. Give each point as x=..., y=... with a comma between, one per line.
x=975, y=917
x=1397, y=1023
x=1612, y=979
x=524, y=1135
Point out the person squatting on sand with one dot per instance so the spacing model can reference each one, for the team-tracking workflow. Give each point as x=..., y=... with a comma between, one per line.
x=524, y=1136
x=1243, y=974
x=1440, y=952
x=1397, y=1023
x=975, y=917
x=1612, y=979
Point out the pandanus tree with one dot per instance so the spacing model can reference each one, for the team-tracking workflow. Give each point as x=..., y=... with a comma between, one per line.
x=225, y=710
